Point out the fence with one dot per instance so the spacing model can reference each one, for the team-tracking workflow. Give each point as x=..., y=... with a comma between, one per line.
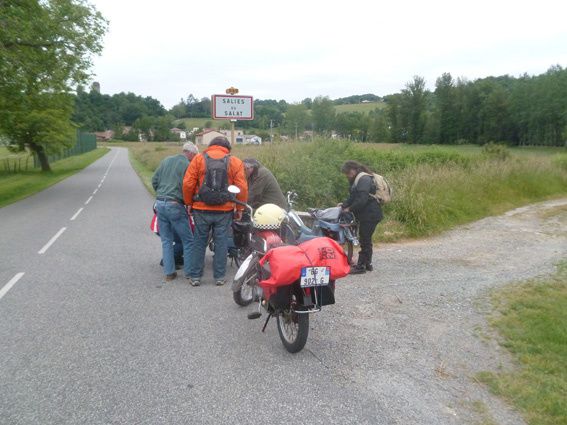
x=22, y=162
x=86, y=142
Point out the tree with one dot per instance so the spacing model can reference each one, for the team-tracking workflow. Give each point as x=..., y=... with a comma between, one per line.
x=45, y=50
x=446, y=112
x=413, y=109
x=323, y=113
x=296, y=119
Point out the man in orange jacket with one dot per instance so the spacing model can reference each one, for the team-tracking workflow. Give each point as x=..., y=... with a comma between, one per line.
x=204, y=191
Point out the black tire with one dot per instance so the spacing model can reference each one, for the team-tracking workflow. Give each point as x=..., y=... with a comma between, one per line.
x=246, y=299
x=293, y=341
x=246, y=293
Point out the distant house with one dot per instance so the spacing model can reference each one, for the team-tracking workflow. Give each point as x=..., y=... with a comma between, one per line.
x=104, y=136
x=237, y=133
x=182, y=134
x=205, y=137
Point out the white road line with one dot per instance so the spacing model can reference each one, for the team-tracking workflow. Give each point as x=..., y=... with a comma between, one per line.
x=95, y=191
x=99, y=185
x=88, y=200
x=51, y=241
x=11, y=283
x=77, y=213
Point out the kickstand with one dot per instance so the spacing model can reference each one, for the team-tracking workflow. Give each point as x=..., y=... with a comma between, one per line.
x=266, y=322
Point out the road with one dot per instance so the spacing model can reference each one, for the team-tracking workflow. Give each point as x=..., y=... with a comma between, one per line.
x=91, y=334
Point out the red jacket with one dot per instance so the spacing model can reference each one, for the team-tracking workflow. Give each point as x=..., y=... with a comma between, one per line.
x=195, y=175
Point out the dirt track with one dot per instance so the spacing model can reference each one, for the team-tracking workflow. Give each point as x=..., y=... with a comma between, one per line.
x=417, y=328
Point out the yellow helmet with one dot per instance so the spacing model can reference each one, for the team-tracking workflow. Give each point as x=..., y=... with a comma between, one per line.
x=268, y=217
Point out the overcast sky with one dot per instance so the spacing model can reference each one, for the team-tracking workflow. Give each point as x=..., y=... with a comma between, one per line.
x=296, y=49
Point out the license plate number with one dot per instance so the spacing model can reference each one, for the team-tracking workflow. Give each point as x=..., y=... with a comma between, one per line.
x=315, y=276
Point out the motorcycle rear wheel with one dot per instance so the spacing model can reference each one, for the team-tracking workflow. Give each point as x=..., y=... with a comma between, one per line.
x=293, y=329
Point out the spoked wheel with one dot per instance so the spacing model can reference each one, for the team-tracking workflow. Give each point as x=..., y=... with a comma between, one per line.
x=293, y=329
x=245, y=295
x=245, y=283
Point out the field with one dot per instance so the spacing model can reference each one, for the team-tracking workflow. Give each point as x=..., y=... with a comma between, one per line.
x=435, y=188
x=365, y=108
x=12, y=162
x=14, y=187
x=532, y=320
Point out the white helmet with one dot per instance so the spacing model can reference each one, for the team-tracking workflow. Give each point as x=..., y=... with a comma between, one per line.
x=268, y=217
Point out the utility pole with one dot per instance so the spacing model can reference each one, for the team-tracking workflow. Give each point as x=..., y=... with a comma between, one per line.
x=232, y=91
x=271, y=130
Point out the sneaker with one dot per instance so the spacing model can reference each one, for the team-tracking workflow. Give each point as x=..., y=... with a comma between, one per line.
x=357, y=270
x=221, y=282
x=170, y=277
x=369, y=268
x=194, y=282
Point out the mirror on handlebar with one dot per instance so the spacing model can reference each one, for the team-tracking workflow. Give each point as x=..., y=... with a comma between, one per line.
x=235, y=190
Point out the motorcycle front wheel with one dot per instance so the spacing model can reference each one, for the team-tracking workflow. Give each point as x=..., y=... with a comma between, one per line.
x=293, y=329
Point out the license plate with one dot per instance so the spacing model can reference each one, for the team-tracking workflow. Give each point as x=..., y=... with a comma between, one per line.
x=315, y=276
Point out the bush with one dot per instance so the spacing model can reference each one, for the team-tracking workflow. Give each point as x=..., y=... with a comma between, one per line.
x=496, y=151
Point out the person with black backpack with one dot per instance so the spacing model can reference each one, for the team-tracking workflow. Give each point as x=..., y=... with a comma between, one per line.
x=365, y=205
x=205, y=192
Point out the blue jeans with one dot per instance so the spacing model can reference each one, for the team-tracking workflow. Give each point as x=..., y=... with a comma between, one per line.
x=173, y=219
x=204, y=222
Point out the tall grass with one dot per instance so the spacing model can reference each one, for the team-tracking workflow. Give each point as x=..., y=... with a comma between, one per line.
x=435, y=188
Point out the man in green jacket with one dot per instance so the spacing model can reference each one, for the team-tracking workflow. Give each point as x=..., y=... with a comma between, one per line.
x=173, y=219
x=263, y=188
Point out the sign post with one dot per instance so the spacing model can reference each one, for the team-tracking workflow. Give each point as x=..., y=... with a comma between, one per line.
x=233, y=108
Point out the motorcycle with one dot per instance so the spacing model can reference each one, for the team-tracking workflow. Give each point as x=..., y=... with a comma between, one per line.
x=296, y=281
x=329, y=222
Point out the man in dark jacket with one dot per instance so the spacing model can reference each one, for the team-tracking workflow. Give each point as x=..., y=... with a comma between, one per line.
x=263, y=188
x=365, y=208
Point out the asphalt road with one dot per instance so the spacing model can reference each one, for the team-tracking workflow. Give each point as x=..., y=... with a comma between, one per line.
x=90, y=334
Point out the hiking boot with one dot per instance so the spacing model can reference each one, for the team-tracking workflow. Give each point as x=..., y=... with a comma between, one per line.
x=369, y=268
x=170, y=277
x=221, y=282
x=194, y=281
x=358, y=269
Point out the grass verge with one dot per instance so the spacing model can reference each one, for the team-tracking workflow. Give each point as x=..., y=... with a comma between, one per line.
x=532, y=320
x=14, y=187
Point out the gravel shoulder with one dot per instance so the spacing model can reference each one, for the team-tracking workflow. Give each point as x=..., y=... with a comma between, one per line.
x=417, y=331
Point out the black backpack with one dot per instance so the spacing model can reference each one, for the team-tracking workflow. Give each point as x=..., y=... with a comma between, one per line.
x=214, y=190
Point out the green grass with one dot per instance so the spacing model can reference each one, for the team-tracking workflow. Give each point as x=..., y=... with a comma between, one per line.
x=435, y=188
x=365, y=108
x=14, y=187
x=532, y=320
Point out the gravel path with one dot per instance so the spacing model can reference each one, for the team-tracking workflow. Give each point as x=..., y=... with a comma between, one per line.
x=416, y=326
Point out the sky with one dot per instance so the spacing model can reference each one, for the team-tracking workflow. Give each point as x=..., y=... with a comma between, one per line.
x=293, y=49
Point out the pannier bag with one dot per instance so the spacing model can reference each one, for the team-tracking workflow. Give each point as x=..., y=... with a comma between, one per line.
x=286, y=262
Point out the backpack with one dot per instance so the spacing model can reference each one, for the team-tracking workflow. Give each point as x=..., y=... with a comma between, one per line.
x=383, y=190
x=214, y=190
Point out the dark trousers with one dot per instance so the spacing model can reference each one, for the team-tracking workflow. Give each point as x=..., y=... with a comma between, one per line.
x=366, y=229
